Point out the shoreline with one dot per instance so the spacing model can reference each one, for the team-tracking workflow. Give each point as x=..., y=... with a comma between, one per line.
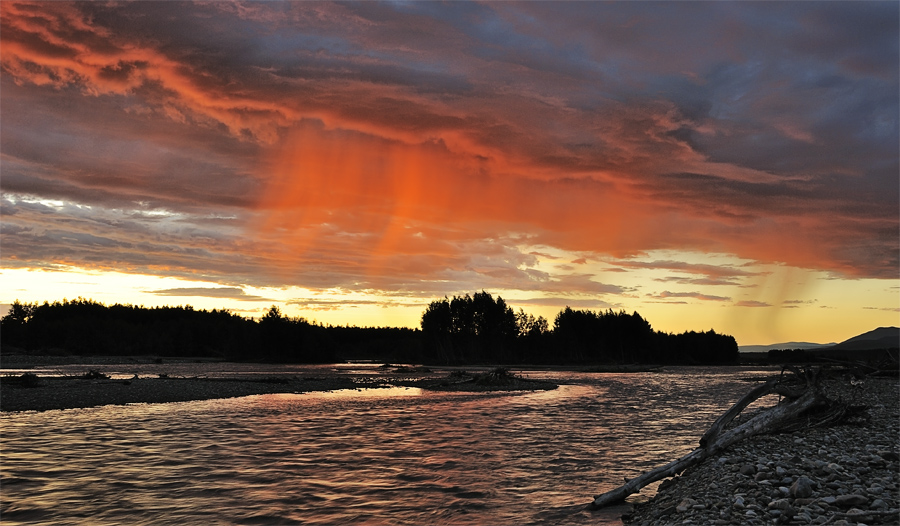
x=28, y=392
x=72, y=392
x=842, y=475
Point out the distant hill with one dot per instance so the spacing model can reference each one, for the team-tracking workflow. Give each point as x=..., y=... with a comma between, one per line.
x=880, y=338
x=784, y=345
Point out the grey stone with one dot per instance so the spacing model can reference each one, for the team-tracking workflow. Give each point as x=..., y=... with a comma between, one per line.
x=748, y=469
x=846, y=501
x=833, y=468
x=780, y=504
x=802, y=488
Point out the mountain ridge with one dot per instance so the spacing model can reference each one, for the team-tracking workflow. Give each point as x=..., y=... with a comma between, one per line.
x=879, y=338
x=784, y=345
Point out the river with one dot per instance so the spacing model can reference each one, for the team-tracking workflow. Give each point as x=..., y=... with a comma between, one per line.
x=369, y=456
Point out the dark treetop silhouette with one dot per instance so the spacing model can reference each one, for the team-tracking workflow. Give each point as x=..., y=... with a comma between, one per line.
x=476, y=329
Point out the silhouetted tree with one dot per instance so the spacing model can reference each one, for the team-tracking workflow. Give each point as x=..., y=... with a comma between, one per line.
x=470, y=329
x=437, y=326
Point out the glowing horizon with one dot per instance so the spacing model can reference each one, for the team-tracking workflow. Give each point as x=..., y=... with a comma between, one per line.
x=696, y=163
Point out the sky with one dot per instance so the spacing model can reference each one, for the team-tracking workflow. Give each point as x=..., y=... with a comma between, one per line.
x=711, y=165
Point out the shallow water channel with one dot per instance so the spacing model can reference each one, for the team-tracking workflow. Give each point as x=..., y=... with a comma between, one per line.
x=370, y=456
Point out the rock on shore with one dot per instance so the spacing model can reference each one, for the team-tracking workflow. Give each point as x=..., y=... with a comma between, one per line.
x=844, y=475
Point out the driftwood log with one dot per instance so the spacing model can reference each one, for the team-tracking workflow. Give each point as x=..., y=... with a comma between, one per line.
x=802, y=394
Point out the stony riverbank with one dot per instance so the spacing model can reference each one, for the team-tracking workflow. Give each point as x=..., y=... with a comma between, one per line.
x=77, y=392
x=32, y=393
x=843, y=475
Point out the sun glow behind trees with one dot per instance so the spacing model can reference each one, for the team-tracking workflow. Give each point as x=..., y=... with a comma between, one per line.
x=791, y=304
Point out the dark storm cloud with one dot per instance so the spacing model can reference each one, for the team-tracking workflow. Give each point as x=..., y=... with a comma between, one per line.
x=764, y=130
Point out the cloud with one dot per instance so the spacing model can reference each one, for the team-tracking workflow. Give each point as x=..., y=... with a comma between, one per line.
x=561, y=302
x=696, y=295
x=417, y=148
x=796, y=304
x=713, y=271
x=698, y=281
x=234, y=293
x=886, y=309
x=322, y=304
x=752, y=303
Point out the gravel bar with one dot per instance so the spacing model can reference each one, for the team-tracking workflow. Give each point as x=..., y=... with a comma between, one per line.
x=842, y=475
x=32, y=393
x=76, y=392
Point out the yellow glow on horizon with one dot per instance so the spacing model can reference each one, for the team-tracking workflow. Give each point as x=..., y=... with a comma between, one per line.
x=767, y=303
x=782, y=303
x=328, y=307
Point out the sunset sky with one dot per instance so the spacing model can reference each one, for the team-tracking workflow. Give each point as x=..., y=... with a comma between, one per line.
x=711, y=165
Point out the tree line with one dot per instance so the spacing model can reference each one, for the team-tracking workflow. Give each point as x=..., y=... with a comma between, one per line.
x=481, y=329
x=469, y=329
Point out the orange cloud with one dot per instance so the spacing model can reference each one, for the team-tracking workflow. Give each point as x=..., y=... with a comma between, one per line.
x=390, y=145
x=393, y=201
x=56, y=44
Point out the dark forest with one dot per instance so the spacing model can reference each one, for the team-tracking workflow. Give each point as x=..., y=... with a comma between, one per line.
x=476, y=329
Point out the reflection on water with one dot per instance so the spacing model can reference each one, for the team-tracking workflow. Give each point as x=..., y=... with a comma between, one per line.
x=381, y=456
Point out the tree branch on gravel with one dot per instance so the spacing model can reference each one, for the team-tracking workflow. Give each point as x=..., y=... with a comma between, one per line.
x=802, y=398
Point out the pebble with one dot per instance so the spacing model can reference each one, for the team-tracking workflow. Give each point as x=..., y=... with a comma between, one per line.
x=847, y=474
x=846, y=501
x=802, y=488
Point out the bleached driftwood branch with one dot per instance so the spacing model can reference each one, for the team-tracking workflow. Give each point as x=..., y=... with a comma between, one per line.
x=797, y=402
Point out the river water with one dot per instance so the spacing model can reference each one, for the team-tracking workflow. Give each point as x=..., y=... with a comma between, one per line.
x=370, y=456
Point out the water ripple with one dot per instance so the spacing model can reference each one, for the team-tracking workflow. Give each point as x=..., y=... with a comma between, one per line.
x=381, y=457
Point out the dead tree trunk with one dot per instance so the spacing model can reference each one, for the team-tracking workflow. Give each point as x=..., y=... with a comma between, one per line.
x=714, y=440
